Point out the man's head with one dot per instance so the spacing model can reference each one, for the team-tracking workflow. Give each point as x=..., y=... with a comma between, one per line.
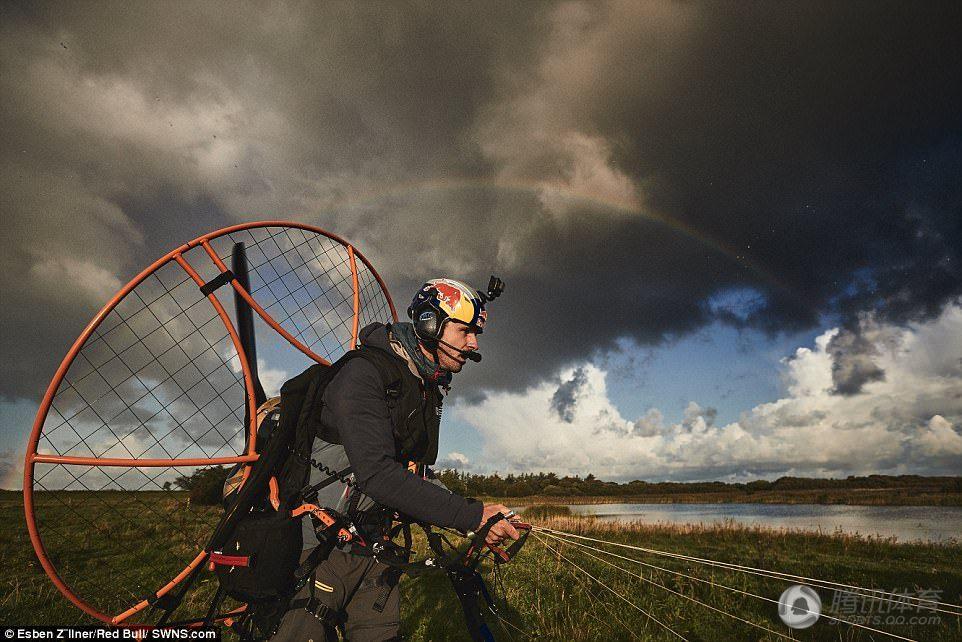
x=448, y=316
x=457, y=339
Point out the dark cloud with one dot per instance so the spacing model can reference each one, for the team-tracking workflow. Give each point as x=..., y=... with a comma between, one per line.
x=151, y=127
x=792, y=136
x=617, y=164
x=565, y=398
x=853, y=362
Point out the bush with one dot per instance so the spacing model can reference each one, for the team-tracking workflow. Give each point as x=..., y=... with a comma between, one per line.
x=553, y=489
x=206, y=485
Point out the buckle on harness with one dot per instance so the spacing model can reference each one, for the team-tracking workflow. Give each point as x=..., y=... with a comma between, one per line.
x=323, y=612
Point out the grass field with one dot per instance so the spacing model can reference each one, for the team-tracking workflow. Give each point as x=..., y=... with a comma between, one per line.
x=546, y=594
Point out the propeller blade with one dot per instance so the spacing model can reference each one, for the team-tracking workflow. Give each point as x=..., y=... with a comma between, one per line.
x=245, y=322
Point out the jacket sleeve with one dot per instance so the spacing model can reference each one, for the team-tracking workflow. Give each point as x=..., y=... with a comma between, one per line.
x=356, y=400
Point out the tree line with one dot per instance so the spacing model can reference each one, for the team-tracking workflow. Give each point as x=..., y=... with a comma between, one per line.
x=550, y=484
x=206, y=484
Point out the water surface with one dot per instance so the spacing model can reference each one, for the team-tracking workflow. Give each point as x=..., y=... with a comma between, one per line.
x=907, y=523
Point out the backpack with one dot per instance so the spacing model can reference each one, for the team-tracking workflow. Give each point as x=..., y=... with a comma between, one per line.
x=257, y=547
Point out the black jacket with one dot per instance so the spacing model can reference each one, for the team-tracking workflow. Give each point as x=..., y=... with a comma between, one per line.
x=355, y=403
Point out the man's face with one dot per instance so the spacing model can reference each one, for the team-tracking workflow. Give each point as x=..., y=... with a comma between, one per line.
x=462, y=337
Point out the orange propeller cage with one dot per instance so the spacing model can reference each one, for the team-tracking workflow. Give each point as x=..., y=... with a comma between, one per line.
x=148, y=390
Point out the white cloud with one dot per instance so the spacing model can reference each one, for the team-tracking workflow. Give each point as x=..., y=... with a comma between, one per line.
x=455, y=460
x=59, y=272
x=650, y=424
x=909, y=421
x=271, y=378
x=939, y=438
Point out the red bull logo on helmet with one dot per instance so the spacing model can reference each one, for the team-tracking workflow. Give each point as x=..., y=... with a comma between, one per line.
x=448, y=296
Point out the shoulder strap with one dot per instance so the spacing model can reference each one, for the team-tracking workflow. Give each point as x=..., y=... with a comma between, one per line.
x=388, y=369
x=388, y=366
x=300, y=401
x=301, y=404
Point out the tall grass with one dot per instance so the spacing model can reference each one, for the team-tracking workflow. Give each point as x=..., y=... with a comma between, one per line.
x=545, y=594
x=549, y=596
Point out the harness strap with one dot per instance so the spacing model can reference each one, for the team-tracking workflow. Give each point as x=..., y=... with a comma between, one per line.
x=229, y=560
x=314, y=558
x=310, y=492
x=389, y=579
x=319, y=610
x=352, y=504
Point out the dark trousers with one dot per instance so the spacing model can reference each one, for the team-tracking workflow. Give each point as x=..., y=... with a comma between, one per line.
x=358, y=589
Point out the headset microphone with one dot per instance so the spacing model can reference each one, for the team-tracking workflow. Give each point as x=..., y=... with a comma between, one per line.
x=467, y=354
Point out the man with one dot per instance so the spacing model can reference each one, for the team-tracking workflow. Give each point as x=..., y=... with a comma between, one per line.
x=380, y=417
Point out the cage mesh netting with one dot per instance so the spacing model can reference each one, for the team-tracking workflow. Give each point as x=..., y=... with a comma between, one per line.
x=158, y=378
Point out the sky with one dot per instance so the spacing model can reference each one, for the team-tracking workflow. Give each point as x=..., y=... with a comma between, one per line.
x=731, y=234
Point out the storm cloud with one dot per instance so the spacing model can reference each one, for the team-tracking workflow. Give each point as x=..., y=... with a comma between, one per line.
x=620, y=165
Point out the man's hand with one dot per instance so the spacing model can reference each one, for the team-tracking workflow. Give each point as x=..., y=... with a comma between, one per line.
x=500, y=530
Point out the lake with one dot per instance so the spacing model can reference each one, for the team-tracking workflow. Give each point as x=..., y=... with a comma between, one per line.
x=907, y=523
